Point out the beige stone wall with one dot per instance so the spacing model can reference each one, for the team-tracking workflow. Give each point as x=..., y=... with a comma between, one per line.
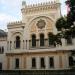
x=3, y=43
x=49, y=12
x=25, y=60
x=28, y=26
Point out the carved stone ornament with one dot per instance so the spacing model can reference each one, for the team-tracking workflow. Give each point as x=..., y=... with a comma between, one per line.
x=41, y=24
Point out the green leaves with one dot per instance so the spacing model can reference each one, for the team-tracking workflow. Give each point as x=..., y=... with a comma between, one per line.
x=73, y=31
x=61, y=23
x=71, y=4
x=54, y=39
x=65, y=24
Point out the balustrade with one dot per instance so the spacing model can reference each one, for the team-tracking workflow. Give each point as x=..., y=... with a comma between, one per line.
x=46, y=44
x=27, y=44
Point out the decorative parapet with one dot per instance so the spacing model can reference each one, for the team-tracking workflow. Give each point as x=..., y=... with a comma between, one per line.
x=13, y=23
x=16, y=24
x=40, y=6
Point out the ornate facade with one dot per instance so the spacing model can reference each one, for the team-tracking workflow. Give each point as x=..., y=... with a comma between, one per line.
x=28, y=43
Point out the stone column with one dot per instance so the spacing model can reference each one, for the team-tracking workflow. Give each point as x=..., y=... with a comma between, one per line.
x=47, y=62
x=28, y=63
x=60, y=62
x=30, y=45
x=22, y=62
x=46, y=43
x=14, y=44
x=73, y=41
x=8, y=63
x=7, y=45
x=63, y=41
x=37, y=43
x=26, y=44
x=10, y=45
x=38, y=63
x=23, y=44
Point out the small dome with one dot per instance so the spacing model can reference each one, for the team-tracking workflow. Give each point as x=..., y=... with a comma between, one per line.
x=3, y=33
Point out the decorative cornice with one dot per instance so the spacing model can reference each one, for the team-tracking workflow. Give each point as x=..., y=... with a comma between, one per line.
x=17, y=22
x=48, y=52
x=40, y=4
x=40, y=7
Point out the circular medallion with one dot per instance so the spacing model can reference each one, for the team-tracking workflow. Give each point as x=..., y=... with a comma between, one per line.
x=41, y=24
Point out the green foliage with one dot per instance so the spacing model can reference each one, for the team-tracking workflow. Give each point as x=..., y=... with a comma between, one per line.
x=66, y=24
x=71, y=3
x=67, y=34
x=71, y=14
x=69, y=20
x=61, y=23
x=58, y=39
x=73, y=31
x=54, y=39
x=51, y=39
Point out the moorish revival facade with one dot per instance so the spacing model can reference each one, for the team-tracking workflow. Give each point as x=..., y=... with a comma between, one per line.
x=27, y=43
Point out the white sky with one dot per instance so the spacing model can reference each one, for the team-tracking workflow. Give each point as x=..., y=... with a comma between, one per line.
x=10, y=10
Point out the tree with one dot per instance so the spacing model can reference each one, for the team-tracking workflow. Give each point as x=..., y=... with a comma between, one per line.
x=54, y=39
x=71, y=14
x=66, y=24
x=65, y=30
x=72, y=30
x=61, y=23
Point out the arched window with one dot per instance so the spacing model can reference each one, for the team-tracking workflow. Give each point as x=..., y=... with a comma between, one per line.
x=50, y=38
x=41, y=39
x=33, y=40
x=2, y=49
x=17, y=42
